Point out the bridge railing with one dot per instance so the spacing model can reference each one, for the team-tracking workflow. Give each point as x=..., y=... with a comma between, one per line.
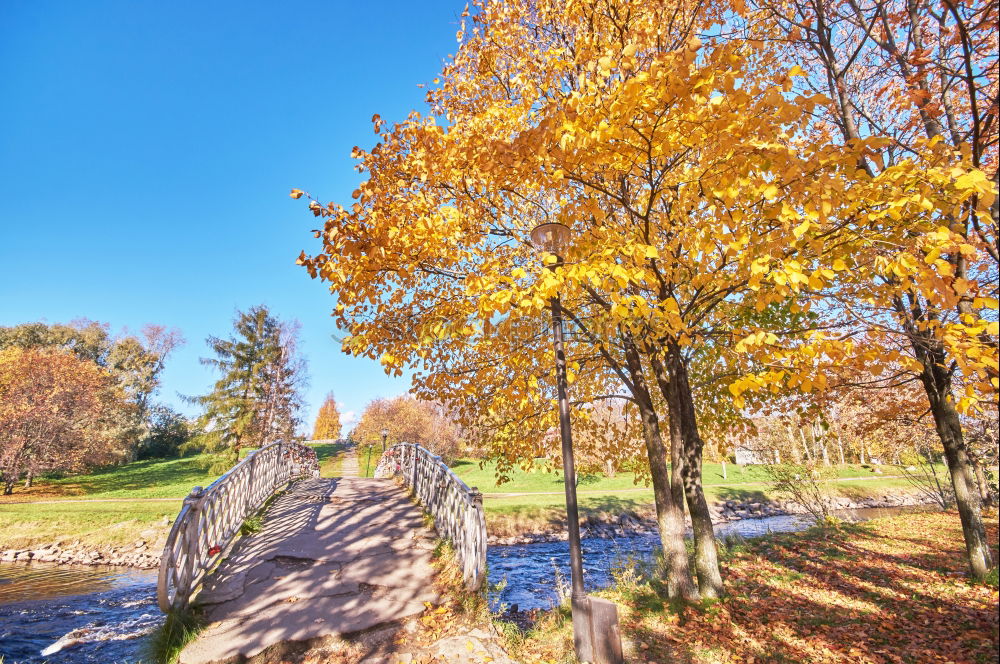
x=457, y=509
x=211, y=518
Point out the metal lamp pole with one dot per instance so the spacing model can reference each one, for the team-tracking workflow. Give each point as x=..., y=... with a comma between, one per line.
x=552, y=237
x=385, y=434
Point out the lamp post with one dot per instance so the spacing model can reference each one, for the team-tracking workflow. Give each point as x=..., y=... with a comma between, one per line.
x=385, y=434
x=553, y=237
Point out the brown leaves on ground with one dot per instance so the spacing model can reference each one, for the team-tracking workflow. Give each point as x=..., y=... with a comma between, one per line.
x=890, y=591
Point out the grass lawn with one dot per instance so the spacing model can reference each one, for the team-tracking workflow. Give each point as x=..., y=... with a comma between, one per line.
x=94, y=524
x=368, y=456
x=539, y=505
x=123, y=515
x=539, y=481
x=533, y=501
x=887, y=591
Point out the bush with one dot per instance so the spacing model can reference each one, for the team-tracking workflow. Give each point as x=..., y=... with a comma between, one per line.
x=803, y=484
x=168, y=431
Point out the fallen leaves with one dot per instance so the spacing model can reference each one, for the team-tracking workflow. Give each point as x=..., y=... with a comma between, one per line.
x=886, y=592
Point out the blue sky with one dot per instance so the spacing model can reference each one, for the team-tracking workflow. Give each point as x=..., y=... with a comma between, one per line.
x=147, y=150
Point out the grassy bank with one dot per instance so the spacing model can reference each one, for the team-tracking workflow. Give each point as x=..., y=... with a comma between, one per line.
x=890, y=590
x=96, y=525
x=534, y=501
x=134, y=501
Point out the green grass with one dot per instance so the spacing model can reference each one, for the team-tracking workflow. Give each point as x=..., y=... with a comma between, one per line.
x=538, y=480
x=179, y=629
x=368, y=456
x=155, y=478
x=94, y=524
x=537, y=500
x=330, y=457
x=123, y=518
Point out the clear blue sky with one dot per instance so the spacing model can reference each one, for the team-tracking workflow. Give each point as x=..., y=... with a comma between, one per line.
x=147, y=150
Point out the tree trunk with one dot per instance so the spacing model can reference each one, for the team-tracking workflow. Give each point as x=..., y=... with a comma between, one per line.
x=805, y=445
x=984, y=487
x=724, y=476
x=669, y=515
x=681, y=403
x=937, y=384
x=29, y=480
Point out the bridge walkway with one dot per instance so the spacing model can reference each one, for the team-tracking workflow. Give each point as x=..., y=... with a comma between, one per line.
x=334, y=557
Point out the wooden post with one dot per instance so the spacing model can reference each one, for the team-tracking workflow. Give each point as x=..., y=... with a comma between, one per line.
x=606, y=637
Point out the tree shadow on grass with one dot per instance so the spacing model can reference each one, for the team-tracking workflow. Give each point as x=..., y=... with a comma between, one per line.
x=795, y=598
x=137, y=476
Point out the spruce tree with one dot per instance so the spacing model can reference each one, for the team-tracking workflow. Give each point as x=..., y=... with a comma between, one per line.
x=256, y=399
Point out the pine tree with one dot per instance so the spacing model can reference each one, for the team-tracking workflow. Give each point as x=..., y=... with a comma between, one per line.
x=328, y=420
x=257, y=398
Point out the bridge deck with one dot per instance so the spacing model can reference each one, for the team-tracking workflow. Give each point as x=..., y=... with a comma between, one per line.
x=334, y=557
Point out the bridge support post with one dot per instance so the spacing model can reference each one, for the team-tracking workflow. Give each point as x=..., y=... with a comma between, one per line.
x=191, y=542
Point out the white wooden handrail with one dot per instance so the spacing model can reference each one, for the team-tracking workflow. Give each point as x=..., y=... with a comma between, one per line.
x=457, y=509
x=211, y=518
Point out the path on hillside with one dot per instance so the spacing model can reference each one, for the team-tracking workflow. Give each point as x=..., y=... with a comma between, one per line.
x=349, y=467
x=334, y=557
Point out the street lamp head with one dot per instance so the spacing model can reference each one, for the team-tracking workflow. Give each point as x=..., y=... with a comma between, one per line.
x=385, y=433
x=553, y=237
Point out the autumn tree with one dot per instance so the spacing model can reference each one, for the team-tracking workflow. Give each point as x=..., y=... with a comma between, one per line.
x=408, y=420
x=57, y=412
x=710, y=216
x=136, y=360
x=924, y=77
x=327, y=424
x=257, y=398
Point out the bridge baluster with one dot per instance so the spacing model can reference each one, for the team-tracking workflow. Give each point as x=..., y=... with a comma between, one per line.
x=457, y=509
x=210, y=519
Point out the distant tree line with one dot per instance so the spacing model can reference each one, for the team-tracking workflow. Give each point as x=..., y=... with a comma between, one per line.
x=74, y=396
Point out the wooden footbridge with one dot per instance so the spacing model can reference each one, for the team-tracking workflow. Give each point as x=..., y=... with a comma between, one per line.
x=334, y=557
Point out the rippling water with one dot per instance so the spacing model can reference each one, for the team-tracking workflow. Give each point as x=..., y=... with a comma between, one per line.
x=63, y=614
x=74, y=614
x=532, y=571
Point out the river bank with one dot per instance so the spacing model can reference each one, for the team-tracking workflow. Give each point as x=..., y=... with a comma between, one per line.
x=141, y=554
x=605, y=525
x=889, y=590
x=144, y=551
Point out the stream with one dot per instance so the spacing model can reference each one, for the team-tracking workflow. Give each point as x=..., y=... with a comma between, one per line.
x=65, y=614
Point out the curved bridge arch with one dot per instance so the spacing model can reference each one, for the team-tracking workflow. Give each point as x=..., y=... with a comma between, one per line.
x=211, y=518
x=457, y=509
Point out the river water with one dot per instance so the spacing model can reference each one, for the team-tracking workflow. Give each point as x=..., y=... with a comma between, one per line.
x=64, y=614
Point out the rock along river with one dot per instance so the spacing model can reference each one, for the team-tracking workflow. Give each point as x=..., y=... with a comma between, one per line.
x=62, y=614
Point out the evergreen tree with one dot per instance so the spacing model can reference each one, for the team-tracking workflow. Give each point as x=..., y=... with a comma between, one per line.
x=257, y=398
x=328, y=420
